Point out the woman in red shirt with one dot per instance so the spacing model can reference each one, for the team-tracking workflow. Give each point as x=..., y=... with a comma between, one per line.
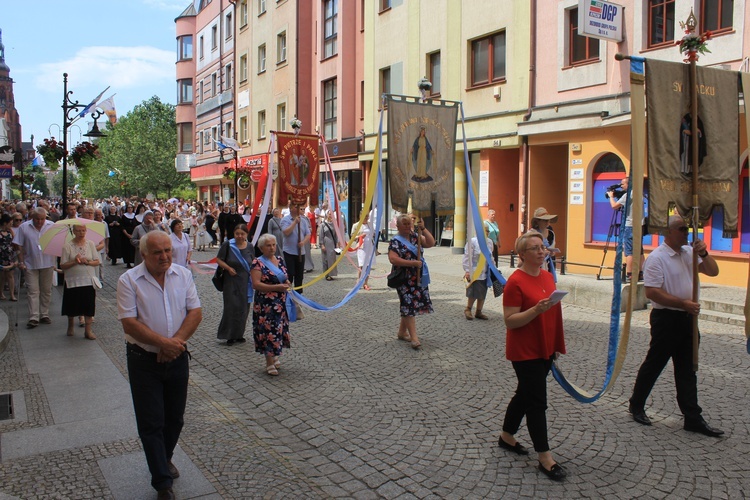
x=534, y=339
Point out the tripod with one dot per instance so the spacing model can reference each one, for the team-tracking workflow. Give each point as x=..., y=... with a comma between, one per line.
x=614, y=230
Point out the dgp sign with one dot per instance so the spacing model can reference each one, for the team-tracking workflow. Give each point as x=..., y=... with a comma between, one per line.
x=600, y=19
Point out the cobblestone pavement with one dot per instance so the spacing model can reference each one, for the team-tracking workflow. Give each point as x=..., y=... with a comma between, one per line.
x=355, y=413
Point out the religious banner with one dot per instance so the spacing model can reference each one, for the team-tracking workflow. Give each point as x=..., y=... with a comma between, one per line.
x=670, y=143
x=421, y=155
x=298, y=169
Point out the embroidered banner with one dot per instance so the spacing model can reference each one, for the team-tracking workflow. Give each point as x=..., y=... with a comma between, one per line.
x=421, y=155
x=298, y=169
x=669, y=142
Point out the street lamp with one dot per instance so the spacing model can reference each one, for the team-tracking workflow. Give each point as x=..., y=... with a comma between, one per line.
x=223, y=160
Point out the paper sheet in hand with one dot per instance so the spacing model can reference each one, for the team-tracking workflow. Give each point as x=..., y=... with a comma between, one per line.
x=556, y=297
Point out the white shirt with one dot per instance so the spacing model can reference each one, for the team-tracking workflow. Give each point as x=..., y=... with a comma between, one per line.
x=671, y=271
x=27, y=237
x=180, y=249
x=471, y=256
x=162, y=310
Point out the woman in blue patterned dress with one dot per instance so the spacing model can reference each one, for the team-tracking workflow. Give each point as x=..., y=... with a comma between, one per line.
x=270, y=320
x=414, y=297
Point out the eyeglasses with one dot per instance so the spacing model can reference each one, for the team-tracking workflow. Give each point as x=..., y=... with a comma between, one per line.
x=535, y=248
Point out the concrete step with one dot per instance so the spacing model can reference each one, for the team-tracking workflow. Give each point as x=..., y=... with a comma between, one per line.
x=723, y=306
x=722, y=317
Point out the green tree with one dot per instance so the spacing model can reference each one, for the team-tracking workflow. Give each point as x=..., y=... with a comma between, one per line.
x=140, y=152
x=57, y=182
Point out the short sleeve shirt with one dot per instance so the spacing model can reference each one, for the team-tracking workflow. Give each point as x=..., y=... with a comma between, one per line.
x=671, y=271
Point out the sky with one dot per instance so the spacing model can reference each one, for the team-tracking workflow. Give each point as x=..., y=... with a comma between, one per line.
x=129, y=45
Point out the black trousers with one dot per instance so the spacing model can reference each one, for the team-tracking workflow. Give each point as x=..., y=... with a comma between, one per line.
x=296, y=268
x=671, y=337
x=530, y=400
x=159, y=393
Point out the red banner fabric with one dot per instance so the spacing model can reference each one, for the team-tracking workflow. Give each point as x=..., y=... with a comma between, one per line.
x=298, y=169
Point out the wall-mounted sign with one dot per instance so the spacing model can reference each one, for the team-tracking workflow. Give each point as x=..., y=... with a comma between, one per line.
x=600, y=19
x=484, y=188
x=576, y=186
x=576, y=199
x=577, y=161
x=576, y=173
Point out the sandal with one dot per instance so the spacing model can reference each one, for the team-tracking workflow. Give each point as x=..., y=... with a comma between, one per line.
x=416, y=344
x=481, y=316
x=404, y=338
x=271, y=370
x=467, y=314
x=366, y=287
x=277, y=363
x=90, y=336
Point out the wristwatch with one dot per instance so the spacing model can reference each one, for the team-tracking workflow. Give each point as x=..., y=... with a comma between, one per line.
x=703, y=255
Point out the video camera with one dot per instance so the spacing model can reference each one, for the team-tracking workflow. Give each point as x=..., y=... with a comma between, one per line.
x=617, y=191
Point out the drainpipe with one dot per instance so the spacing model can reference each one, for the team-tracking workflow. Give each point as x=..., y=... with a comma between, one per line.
x=532, y=101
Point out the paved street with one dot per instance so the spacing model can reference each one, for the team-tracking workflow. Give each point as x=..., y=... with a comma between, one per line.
x=356, y=413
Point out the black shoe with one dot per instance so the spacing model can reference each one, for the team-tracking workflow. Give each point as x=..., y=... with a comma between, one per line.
x=703, y=428
x=173, y=470
x=639, y=415
x=230, y=342
x=517, y=448
x=241, y=341
x=640, y=276
x=165, y=494
x=556, y=473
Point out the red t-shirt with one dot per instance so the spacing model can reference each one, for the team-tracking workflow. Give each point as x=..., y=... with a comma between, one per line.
x=543, y=336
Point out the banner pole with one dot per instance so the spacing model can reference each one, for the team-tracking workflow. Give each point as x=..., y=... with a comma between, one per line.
x=693, y=80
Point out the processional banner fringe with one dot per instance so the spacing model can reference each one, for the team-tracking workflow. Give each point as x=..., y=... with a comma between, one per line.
x=669, y=142
x=298, y=169
x=421, y=155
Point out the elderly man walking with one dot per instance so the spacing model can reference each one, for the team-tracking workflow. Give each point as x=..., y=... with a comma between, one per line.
x=141, y=230
x=159, y=308
x=38, y=267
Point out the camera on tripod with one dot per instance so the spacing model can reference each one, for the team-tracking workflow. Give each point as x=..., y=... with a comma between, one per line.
x=617, y=191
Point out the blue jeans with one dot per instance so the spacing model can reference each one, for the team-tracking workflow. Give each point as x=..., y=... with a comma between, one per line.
x=159, y=393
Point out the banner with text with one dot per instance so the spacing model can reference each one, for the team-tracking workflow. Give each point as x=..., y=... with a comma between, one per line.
x=298, y=169
x=670, y=142
x=421, y=155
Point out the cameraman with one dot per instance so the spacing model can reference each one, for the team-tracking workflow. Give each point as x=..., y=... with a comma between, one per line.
x=628, y=231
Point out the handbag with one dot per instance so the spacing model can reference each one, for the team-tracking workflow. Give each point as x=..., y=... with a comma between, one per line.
x=218, y=278
x=497, y=288
x=96, y=282
x=215, y=227
x=397, y=277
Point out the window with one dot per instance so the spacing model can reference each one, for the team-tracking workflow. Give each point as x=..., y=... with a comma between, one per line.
x=200, y=48
x=716, y=15
x=362, y=100
x=199, y=149
x=243, y=130
x=488, y=59
x=329, y=110
x=582, y=48
x=185, y=47
x=243, y=67
x=214, y=84
x=262, y=124
x=281, y=48
x=262, y=58
x=608, y=170
x=214, y=37
x=330, y=31
x=660, y=22
x=434, y=73
x=228, y=26
x=206, y=141
x=281, y=116
x=243, y=13
x=228, y=129
x=384, y=4
x=200, y=92
x=185, y=91
x=214, y=137
x=385, y=81
x=185, y=137
x=261, y=7
x=228, y=76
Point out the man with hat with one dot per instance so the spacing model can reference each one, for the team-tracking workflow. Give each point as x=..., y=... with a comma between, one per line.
x=541, y=223
x=141, y=230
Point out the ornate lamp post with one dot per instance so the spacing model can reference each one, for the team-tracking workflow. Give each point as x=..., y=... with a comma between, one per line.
x=223, y=160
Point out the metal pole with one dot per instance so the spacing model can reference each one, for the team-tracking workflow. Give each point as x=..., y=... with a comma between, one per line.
x=65, y=140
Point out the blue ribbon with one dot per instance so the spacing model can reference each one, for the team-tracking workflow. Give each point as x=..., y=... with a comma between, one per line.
x=413, y=249
x=245, y=265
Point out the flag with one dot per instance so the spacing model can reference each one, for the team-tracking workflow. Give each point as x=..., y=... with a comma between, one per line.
x=108, y=105
x=670, y=144
x=298, y=169
x=92, y=104
x=421, y=155
x=37, y=161
x=220, y=144
x=111, y=173
x=230, y=143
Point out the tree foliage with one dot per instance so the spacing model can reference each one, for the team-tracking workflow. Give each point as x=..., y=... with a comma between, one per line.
x=137, y=156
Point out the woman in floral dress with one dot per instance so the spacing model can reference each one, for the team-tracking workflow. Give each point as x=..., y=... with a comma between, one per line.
x=7, y=259
x=270, y=320
x=414, y=297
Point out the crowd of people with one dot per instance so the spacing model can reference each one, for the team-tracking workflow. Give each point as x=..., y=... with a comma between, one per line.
x=156, y=240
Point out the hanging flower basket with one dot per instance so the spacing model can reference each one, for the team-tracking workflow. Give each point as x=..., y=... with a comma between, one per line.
x=296, y=124
x=83, y=154
x=52, y=151
x=691, y=45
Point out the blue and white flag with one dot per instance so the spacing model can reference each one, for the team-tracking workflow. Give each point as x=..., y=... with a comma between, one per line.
x=92, y=104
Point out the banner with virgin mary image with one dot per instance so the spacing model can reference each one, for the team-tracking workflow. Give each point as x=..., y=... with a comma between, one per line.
x=670, y=143
x=298, y=169
x=421, y=154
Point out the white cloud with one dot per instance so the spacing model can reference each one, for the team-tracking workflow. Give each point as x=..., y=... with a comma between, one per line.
x=173, y=5
x=120, y=67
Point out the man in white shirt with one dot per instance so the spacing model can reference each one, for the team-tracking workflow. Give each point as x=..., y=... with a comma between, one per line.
x=38, y=266
x=159, y=308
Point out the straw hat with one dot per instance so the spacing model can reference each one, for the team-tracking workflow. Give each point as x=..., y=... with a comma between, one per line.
x=542, y=214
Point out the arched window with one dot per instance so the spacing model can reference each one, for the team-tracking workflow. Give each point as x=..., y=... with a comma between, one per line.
x=609, y=170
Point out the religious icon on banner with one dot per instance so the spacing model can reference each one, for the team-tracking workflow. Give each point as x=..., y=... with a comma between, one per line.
x=298, y=168
x=421, y=153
